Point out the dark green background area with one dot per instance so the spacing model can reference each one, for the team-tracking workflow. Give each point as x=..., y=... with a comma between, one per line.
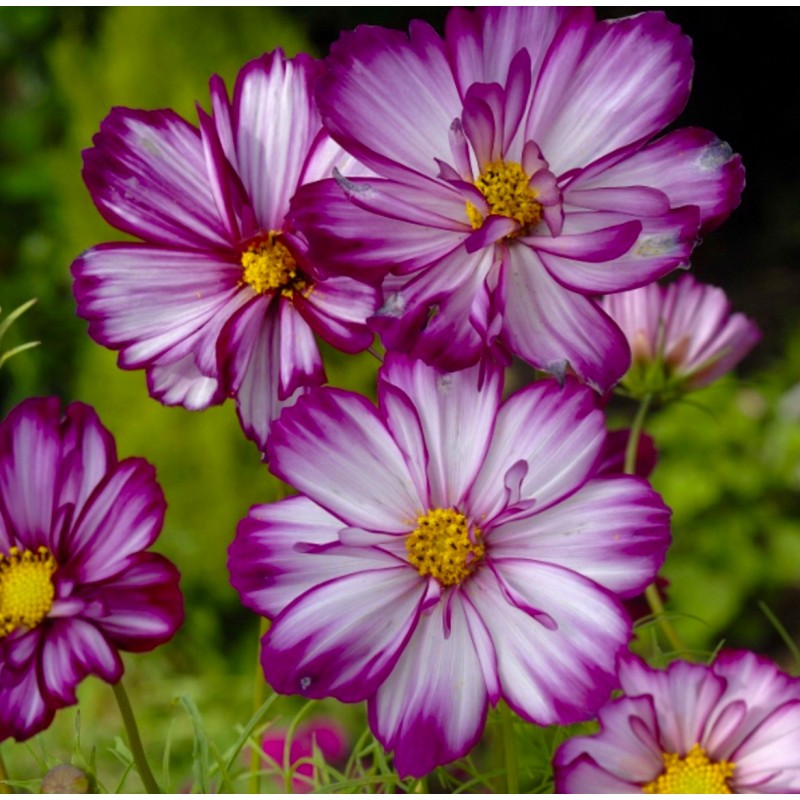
x=730, y=458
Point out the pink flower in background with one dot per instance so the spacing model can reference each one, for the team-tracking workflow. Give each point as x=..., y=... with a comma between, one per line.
x=732, y=728
x=220, y=298
x=447, y=550
x=76, y=581
x=518, y=179
x=325, y=734
x=682, y=336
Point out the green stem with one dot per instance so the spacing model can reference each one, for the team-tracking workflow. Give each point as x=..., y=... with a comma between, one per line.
x=259, y=686
x=651, y=593
x=4, y=787
x=134, y=740
x=509, y=749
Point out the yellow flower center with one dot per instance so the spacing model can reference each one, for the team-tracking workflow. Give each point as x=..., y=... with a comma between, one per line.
x=693, y=773
x=504, y=184
x=26, y=588
x=269, y=265
x=442, y=546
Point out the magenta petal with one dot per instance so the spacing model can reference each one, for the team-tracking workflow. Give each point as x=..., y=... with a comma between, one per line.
x=23, y=710
x=361, y=101
x=594, y=246
x=455, y=418
x=556, y=432
x=342, y=638
x=555, y=673
x=299, y=358
x=147, y=176
x=690, y=166
x=285, y=549
x=180, y=383
x=124, y=516
x=72, y=650
x=608, y=86
x=141, y=607
x=614, y=531
x=414, y=711
x=30, y=453
x=331, y=446
x=550, y=326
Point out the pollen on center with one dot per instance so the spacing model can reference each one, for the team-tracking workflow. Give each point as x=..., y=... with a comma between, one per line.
x=26, y=588
x=269, y=266
x=693, y=773
x=445, y=545
x=506, y=188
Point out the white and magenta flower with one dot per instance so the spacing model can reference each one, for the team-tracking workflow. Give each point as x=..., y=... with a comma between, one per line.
x=732, y=728
x=447, y=550
x=219, y=298
x=518, y=178
x=682, y=336
x=77, y=583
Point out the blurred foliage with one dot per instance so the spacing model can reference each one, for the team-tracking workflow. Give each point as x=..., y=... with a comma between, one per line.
x=730, y=469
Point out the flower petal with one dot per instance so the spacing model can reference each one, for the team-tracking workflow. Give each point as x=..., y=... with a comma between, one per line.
x=141, y=607
x=342, y=638
x=456, y=412
x=557, y=432
x=71, y=650
x=607, y=86
x=153, y=303
x=691, y=166
x=180, y=383
x=432, y=708
x=334, y=447
x=614, y=531
x=275, y=124
x=30, y=454
x=549, y=326
x=147, y=176
x=562, y=669
x=285, y=549
x=125, y=515
x=299, y=360
x=386, y=94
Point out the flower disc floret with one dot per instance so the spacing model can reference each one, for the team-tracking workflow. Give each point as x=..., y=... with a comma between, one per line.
x=269, y=265
x=508, y=193
x=445, y=546
x=693, y=773
x=26, y=588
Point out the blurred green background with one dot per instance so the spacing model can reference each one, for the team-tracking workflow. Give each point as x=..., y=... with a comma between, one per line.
x=730, y=458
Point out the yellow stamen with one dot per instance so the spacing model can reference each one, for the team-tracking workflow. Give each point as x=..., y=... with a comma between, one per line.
x=504, y=184
x=26, y=588
x=693, y=773
x=442, y=546
x=269, y=266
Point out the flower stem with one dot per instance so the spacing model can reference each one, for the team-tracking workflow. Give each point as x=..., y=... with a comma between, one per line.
x=134, y=740
x=509, y=749
x=651, y=592
x=4, y=787
x=259, y=685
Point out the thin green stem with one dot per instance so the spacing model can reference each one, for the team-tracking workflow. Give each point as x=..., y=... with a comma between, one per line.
x=134, y=740
x=4, y=787
x=651, y=593
x=509, y=749
x=259, y=687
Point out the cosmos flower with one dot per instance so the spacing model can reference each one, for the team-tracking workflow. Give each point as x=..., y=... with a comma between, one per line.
x=325, y=734
x=447, y=550
x=732, y=728
x=77, y=584
x=518, y=178
x=219, y=298
x=682, y=336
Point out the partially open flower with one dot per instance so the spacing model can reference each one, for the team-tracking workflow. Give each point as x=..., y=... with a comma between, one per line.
x=682, y=336
x=77, y=584
x=732, y=728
